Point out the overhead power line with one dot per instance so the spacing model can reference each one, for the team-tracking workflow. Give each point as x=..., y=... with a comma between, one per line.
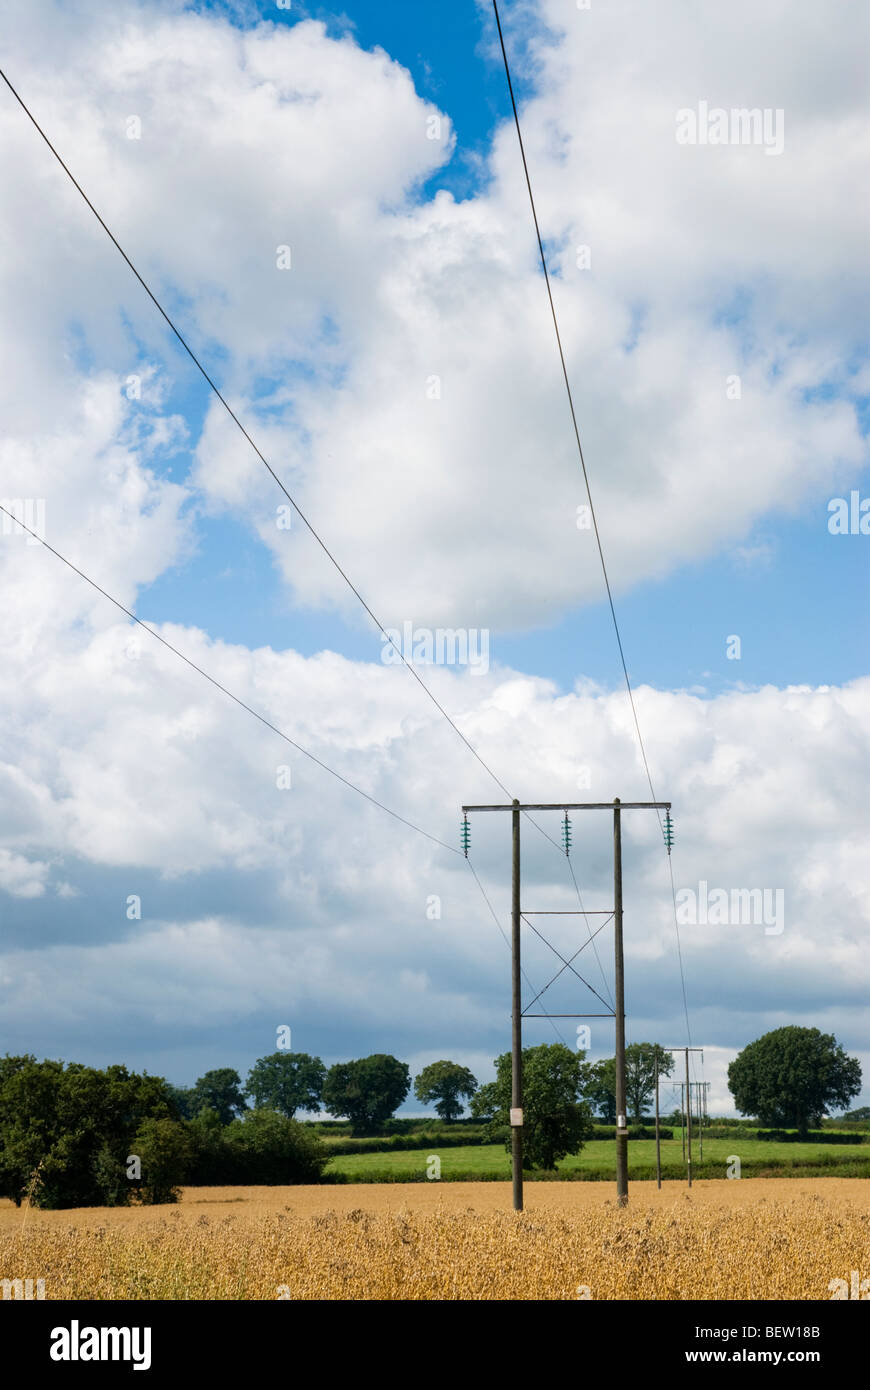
x=234, y=417
x=559, y=1034
x=570, y=395
x=589, y=930
x=311, y=529
x=266, y=722
x=576, y=427
x=229, y=693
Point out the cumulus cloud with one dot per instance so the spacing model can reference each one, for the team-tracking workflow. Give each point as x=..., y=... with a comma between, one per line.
x=330, y=925
x=712, y=271
x=22, y=877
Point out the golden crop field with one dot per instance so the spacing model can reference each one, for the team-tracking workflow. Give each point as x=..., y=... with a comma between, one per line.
x=752, y=1239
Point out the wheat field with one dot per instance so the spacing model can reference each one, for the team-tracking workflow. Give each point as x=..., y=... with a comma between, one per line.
x=752, y=1239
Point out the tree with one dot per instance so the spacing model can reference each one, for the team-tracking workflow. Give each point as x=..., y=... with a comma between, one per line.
x=267, y=1148
x=287, y=1082
x=366, y=1091
x=556, y=1122
x=640, y=1080
x=28, y=1119
x=791, y=1077
x=165, y=1149
x=600, y=1089
x=182, y=1099
x=210, y=1166
x=262, y=1147
x=221, y=1091
x=110, y=1176
x=862, y=1113
x=75, y=1125
x=640, y=1074
x=446, y=1083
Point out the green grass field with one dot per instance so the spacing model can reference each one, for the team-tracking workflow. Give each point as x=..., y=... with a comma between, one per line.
x=598, y=1160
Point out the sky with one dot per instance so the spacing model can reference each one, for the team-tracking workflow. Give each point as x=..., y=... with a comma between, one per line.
x=330, y=205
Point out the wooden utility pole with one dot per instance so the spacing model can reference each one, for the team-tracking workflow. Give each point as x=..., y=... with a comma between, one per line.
x=702, y=1087
x=516, y=1108
x=658, y=1135
x=619, y=1010
x=688, y=1121
x=687, y=1126
x=516, y=1115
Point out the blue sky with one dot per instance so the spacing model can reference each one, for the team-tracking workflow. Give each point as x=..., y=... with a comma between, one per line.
x=799, y=609
x=414, y=257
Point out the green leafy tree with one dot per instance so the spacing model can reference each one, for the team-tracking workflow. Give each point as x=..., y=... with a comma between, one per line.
x=182, y=1100
x=270, y=1149
x=367, y=1091
x=220, y=1091
x=165, y=1149
x=792, y=1076
x=28, y=1119
x=210, y=1164
x=556, y=1122
x=447, y=1084
x=486, y=1103
x=287, y=1082
x=640, y=1074
x=862, y=1113
x=600, y=1089
x=98, y=1113
x=75, y=1124
x=110, y=1176
x=262, y=1147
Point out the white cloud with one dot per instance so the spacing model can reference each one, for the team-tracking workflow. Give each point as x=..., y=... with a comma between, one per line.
x=104, y=508
x=325, y=917
x=21, y=877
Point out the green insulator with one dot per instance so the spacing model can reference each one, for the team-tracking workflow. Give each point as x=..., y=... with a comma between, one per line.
x=566, y=834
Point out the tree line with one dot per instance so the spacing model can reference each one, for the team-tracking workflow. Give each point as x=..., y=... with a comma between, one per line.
x=367, y=1091
x=72, y=1135
x=77, y=1136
